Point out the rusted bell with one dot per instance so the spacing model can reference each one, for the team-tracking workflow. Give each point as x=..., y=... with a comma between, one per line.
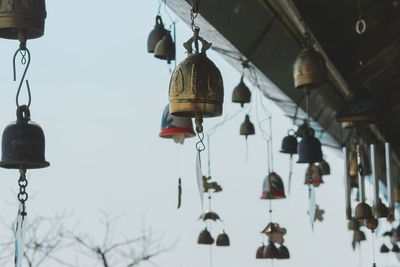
x=260, y=252
x=309, y=148
x=313, y=175
x=196, y=88
x=396, y=248
x=23, y=143
x=353, y=224
x=384, y=249
x=382, y=211
x=241, y=93
x=247, y=128
x=223, y=240
x=177, y=128
x=209, y=215
x=324, y=167
x=205, y=238
x=289, y=143
x=363, y=211
x=165, y=48
x=156, y=35
x=273, y=187
x=309, y=70
x=353, y=163
x=283, y=253
x=270, y=251
x=371, y=223
x=25, y=17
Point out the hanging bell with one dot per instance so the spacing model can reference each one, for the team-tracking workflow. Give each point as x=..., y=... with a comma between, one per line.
x=381, y=210
x=247, y=128
x=289, y=143
x=177, y=128
x=241, y=93
x=196, y=88
x=156, y=35
x=260, y=252
x=223, y=240
x=313, y=175
x=205, y=238
x=309, y=70
x=384, y=249
x=274, y=232
x=23, y=143
x=283, y=253
x=165, y=48
x=270, y=251
x=353, y=224
x=396, y=248
x=273, y=187
x=309, y=148
x=209, y=215
x=324, y=167
x=363, y=211
x=22, y=16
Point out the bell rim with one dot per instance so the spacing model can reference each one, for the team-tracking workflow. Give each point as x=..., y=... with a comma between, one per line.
x=24, y=165
x=206, y=110
x=285, y=152
x=169, y=132
x=13, y=25
x=275, y=195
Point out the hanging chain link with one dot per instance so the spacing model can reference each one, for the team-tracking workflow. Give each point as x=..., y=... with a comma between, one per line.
x=194, y=12
x=199, y=129
x=23, y=195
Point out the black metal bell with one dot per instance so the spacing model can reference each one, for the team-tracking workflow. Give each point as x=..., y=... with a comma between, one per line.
x=241, y=93
x=165, y=48
x=283, y=253
x=223, y=240
x=289, y=143
x=22, y=16
x=247, y=128
x=270, y=251
x=156, y=35
x=23, y=143
x=205, y=238
x=309, y=148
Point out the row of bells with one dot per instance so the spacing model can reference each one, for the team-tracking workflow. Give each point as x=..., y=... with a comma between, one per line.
x=385, y=249
x=205, y=238
x=160, y=42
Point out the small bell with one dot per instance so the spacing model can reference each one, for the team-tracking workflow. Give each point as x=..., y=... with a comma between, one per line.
x=205, y=238
x=209, y=215
x=241, y=93
x=23, y=143
x=196, y=88
x=353, y=224
x=381, y=210
x=247, y=128
x=324, y=167
x=270, y=251
x=289, y=143
x=156, y=35
x=273, y=187
x=177, y=128
x=309, y=148
x=313, y=175
x=309, y=70
x=363, y=211
x=371, y=223
x=396, y=248
x=223, y=240
x=384, y=249
x=274, y=232
x=260, y=252
x=165, y=48
x=283, y=253
x=21, y=16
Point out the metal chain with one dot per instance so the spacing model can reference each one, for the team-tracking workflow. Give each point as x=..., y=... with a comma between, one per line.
x=25, y=61
x=23, y=195
x=193, y=15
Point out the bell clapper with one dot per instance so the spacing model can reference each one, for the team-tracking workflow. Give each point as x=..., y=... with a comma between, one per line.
x=22, y=195
x=179, y=192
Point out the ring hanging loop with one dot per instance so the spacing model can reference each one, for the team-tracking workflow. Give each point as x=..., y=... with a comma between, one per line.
x=361, y=26
x=24, y=61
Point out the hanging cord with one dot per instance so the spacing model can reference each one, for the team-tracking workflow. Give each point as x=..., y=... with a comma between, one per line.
x=25, y=61
x=22, y=195
x=209, y=156
x=373, y=248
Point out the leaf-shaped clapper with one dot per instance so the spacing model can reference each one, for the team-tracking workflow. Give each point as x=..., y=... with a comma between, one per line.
x=199, y=178
x=20, y=231
x=312, y=206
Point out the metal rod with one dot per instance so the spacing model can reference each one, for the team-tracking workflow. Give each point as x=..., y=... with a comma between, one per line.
x=361, y=180
x=347, y=184
x=375, y=180
x=389, y=179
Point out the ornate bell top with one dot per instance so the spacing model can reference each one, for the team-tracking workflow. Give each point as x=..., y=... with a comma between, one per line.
x=23, y=143
x=196, y=88
x=26, y=15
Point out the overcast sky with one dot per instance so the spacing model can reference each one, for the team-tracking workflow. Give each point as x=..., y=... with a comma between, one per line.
x=99, y=97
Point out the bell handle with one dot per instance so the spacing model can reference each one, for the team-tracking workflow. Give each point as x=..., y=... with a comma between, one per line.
x=159, y=20
x=23, y=113
x=195, y=39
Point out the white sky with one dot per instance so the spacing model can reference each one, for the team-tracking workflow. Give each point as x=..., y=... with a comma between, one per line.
x=99, y=97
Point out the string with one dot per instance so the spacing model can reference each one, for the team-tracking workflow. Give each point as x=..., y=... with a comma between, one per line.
x=209, y=155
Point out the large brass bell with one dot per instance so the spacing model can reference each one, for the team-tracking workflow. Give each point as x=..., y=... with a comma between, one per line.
x=205, y=238
x=165, y=48
x=363, y=211
x=309, y=148
x=309, y=70
x=23, y=143
x=247, y=128
x=223, y=240
x=196, y=88
x=283, y=253
x=156, y=35
x=289, y=143
x=241, y=93
x=22, y=16
x=270, y=251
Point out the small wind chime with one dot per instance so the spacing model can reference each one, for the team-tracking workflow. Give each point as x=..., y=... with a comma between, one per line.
x=23, y=142
x=394, y=238
x=273, y=188
x=196, y=88
x=309, y=72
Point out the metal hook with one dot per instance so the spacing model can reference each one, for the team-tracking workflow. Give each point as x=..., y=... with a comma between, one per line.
x=23, y=75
